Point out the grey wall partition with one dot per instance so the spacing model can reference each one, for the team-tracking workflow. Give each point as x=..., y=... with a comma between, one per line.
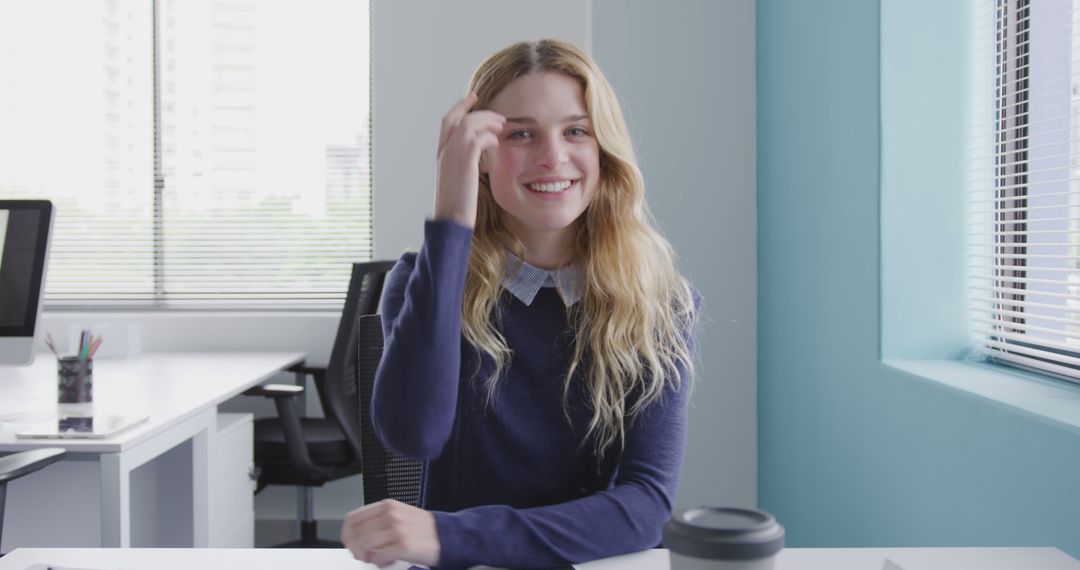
x=685, y=74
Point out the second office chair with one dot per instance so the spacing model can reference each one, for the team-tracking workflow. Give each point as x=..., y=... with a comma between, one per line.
x=292, y=449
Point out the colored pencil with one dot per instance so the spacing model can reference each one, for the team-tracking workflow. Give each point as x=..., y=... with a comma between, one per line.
x=95, y=346
x=51, y=345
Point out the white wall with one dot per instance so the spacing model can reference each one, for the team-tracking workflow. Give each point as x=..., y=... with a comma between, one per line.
x=685, y=74
x=423, y=52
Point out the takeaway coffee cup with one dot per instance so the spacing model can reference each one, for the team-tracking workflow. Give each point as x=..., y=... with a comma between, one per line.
x=720, y=538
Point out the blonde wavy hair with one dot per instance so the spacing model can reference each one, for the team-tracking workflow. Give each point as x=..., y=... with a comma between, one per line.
x=634, y=317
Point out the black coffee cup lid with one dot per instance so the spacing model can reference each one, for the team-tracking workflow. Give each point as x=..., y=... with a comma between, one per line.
x=724, y=533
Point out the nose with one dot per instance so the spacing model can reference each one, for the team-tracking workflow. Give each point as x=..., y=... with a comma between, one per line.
x=552, y=153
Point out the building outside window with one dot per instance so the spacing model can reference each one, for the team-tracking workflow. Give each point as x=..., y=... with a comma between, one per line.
x=200, y=153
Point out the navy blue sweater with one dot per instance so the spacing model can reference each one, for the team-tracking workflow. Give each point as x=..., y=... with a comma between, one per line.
x=513, y=483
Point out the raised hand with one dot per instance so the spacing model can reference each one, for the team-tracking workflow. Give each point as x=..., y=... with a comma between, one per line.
x=464, y=136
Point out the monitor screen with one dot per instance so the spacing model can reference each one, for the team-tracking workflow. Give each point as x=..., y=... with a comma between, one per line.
x=24, y=247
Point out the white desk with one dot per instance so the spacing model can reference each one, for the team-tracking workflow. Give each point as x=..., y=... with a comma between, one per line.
x=1013, y=558
x=1042, y=558
x=179, y=391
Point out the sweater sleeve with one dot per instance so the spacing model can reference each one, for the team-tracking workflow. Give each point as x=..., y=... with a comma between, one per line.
x=625, y=518
x=415, y=394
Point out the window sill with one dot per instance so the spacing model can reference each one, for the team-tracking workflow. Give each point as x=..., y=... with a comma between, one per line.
x=202, y=312
x=128, y=331
x=1047, y=398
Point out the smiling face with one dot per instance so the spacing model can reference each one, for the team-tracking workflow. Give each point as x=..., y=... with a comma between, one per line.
x=546, y=169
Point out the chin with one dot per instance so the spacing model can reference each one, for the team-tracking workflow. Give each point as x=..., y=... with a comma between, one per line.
x=553, y=225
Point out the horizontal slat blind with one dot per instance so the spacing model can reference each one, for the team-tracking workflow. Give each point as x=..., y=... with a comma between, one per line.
x=1024, y=217
x=260, y=148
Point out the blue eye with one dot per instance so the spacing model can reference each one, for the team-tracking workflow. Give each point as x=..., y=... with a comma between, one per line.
x=576, y=132
x=519, y=135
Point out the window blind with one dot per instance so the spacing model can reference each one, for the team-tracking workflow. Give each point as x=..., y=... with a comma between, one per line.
x=200, y=153
x=1025, y=206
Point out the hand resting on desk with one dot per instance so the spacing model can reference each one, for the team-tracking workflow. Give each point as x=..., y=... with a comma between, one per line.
x=384, y=532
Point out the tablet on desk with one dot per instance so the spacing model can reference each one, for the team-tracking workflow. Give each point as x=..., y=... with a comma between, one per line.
x=80, y=427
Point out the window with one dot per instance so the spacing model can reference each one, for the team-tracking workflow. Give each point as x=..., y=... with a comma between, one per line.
x=200, y=153
x=1026, y=214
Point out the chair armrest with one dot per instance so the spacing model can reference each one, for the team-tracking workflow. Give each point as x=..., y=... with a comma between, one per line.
x=286, y=397
x=275, y=391
x=285, y=400
x=23, y=463
x=305, y=369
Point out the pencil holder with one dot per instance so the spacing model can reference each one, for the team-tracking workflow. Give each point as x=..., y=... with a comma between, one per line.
x=76, y=380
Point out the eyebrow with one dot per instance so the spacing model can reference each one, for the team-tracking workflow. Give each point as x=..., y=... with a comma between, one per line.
x=532, y=121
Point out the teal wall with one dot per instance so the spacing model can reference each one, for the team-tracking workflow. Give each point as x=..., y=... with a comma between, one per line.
x=927, y=109
x=853, y=452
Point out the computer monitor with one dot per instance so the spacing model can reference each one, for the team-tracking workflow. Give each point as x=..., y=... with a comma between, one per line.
x=25, y=228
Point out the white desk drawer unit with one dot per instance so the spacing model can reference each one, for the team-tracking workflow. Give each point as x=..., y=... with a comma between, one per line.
x=231, y=486
x=176, y=480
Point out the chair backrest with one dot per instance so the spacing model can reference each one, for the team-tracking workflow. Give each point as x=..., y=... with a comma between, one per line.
x=337, y=391
x=386, y=475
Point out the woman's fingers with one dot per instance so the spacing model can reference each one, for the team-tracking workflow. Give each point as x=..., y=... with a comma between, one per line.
x=485, y=141
x=477, y=131
x=464, y=137
x=389, y=531
x=365, y=529
x=476, y=124
x=378, y=545
x=385, y=555
x=358, y=516
x=453, y=117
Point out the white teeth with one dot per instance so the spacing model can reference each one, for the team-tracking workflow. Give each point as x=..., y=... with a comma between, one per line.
x=552, y=187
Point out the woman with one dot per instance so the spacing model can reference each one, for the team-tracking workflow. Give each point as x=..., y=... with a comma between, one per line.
x=538, y=347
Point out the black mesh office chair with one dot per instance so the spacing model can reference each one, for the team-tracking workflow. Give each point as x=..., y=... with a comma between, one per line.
x=311, y=451
x=386, y=475
x=20, y=464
